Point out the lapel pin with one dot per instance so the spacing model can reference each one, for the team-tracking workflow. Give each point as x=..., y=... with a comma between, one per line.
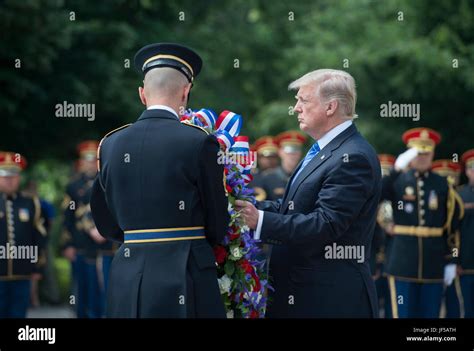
x=322, y=157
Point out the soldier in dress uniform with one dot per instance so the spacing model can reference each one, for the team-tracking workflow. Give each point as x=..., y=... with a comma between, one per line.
x=80, y=239
x=381, y=241
x=426, y=211
x=160, y=190
x=267, y=159
x=22, y=239
x=466, y=254
x=273, y=181
x=452, y=296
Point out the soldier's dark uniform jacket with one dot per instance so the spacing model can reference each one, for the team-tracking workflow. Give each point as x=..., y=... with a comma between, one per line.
x=426, y=211
x=21, y=226
x=77, y=217
x=466, y=256
x=158, y=177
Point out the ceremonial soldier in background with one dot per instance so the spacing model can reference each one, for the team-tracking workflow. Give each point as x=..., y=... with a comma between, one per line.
x=273, y=181
x=452, y=296
x=81, y=240
x=160, y=190
x=426, y=211
x=381, y=241
x=267, y=159
x=22, y=239
x=466, y=255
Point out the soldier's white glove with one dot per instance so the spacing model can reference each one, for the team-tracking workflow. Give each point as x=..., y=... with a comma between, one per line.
x=449, y=273
x=403, y=160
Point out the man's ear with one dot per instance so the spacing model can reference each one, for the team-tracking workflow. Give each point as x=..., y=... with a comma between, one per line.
x=331, y=107
x=141, y=93
x=187, y=89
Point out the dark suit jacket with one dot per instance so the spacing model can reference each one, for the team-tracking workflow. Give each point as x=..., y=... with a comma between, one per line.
x=333, y=201
x=158, y=173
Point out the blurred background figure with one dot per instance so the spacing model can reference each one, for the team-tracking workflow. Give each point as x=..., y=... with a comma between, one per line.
x=273, y=181
x=80, y=239
x=452, y=295
x=267, y=158
x=381, y=242
x=426, y=213
x=23, y=239
x=47, y=288
x=466, y=254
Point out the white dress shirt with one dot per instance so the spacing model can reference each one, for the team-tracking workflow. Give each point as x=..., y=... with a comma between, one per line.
x=325, y=139
x=163, y=107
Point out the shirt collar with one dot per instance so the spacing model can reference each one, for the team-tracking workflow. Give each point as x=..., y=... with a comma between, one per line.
x=329, y=136
x=163, y=107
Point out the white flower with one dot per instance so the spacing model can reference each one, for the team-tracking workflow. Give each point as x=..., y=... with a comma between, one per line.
x=230, y=314
x=245, y=228
x=236, y=252
x=224, y=284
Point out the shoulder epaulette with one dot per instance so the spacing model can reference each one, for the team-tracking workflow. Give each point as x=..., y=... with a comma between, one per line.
x=105, y=137
x=116, y=130
x=186, y=123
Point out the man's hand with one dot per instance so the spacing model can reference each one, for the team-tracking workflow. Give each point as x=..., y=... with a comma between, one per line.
x=403, y=160
x=70, y=254
x=449, y=273
x=248, y=212
x=95, y=235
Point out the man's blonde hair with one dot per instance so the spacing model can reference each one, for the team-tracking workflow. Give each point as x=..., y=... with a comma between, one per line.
x=331, y=84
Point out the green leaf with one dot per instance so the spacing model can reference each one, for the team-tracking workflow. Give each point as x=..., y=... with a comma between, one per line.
x=229, y=268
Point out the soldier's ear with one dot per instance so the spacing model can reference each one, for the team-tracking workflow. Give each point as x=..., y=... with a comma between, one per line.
x=141, y=93
x=187, y=92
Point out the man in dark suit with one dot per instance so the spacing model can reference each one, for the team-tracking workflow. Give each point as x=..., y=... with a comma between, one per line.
x=160, y=191
x=323, y=227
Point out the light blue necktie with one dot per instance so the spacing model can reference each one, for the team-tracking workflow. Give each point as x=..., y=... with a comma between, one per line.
x=309, y=156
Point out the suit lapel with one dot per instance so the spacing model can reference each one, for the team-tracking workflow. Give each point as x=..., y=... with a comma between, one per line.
x=287, y=188
x=317, y=161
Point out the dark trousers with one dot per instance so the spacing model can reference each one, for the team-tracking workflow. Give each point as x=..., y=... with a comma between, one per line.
x=88, y=293
x=105, y=262
x=467, y=288
x=452, y=301
x=383, y=293
x=415, y=300
x=14, y=298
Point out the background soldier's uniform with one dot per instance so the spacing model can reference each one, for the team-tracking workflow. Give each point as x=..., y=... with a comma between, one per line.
x=77, y=223
x=21, y=226
x=452, y=295
x=273, y=181
x=466, y=256
x=426, y=213
x=380, y=249
x=90, y=295
x=265, y=146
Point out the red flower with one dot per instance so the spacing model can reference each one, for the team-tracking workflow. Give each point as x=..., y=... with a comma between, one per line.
x=246, y=266
x=257, y=286
x=254, y=314
x=229, y=189
x=220, y=254
x=234, y=236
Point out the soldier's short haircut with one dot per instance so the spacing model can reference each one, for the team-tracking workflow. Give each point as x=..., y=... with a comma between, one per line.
x=164, y=81
x=330, y=85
